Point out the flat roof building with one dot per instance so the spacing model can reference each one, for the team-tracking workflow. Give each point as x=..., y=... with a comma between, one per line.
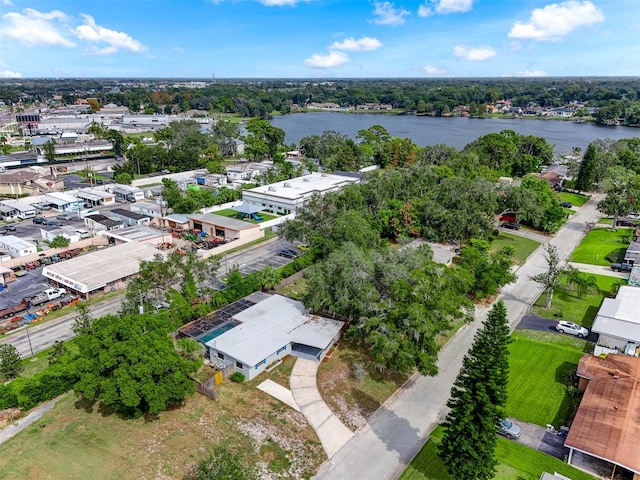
x=224, y=227
x=291, y=195
x=16, y=246
x=101, y=271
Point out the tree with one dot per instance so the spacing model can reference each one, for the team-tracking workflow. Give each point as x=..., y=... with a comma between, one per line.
x=551, y=278
x=123, y=178
x=130, y=364
x=490, y=271
x=83, y=321
x=56, y=352
x=9, y=361
x=622, y=187
x=223, y=464
x=59, y=242
x=263, y=139
x=477, y=402
x=50, y=150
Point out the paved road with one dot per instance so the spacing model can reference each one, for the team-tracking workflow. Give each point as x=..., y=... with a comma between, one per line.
x=396, y=432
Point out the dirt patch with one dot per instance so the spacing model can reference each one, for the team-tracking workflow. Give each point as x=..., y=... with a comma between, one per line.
x=352, y=387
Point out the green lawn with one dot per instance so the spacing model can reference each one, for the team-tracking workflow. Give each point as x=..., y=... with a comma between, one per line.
x=537, y=388
x=602, y=246
x=523, y=246
x=517, y=462
x=567, y=306
x=606, y=221
x=232, y=213
x=576, y=199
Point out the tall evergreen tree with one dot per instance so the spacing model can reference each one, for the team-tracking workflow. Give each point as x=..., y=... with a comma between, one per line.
x=477, y=402
x=587, y=171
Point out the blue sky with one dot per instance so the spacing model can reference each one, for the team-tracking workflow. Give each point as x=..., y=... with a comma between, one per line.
x=318, y=38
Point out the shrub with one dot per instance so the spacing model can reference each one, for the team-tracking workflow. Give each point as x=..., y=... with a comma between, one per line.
x=237, y=377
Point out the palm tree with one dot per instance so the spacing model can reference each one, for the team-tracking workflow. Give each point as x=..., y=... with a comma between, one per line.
x=586, y=284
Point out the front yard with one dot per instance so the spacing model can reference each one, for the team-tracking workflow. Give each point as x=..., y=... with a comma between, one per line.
x=523, y=247
x=575, y=198
x=602, y=246
x=567, y=306
x=517, y=462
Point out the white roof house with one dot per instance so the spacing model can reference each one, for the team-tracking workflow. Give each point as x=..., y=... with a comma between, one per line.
x=17, y=247
x=272, y=329
x=63, y=202
x=291, y=195
x=100, y=269
x=23, y=206
x=618, y=322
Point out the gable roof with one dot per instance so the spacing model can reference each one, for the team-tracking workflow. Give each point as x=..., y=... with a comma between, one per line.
x=607, y=424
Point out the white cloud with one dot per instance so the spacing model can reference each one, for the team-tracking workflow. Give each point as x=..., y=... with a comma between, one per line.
x=557, y=20
x=531, y=73
x=474, y=54
x=387, y=14
x=443, y=7
x=114, y=40
x=333, y=59
x=6, y=2
x=36, y=28
x=178, y=49
x=10, y=74
x=352, y=45
x=280, y=3
x=433, y=70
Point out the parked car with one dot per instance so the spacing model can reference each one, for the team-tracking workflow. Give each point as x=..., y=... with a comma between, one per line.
x=572, y=328
x=54, y=223
x=566, y=204
x=625, y=223
x=510, y=225
x=621, y=267
x=288, y=253
x=10, y=228
x=508, y=429
x=40, y=220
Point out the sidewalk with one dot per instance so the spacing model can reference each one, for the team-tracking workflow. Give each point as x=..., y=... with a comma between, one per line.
x=12, y=430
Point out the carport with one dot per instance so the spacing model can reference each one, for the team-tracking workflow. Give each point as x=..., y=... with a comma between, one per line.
x=247, y=209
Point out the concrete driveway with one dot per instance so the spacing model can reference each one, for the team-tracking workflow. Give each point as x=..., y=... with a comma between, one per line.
x=538, y=438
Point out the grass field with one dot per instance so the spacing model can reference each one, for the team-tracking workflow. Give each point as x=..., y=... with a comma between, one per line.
x=567, y=306
x=517, y=462
x=523, y=246
x=537, y=386
x=602, y=246
x=576, y=199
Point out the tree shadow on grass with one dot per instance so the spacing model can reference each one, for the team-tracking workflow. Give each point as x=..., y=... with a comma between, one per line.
x=589, y=316
x=566, y=376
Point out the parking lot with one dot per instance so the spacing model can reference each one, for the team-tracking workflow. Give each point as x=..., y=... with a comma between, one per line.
x=31, y=283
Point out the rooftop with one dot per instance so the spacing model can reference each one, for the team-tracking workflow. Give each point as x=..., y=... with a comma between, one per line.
x=618, y=317
x=304, y=186
x=18, y=177
x=136, y=233
x=129, y=214
x=15, y=242
x=270, y=325
x=95, y=270
x=219, y=220
x=607, y=424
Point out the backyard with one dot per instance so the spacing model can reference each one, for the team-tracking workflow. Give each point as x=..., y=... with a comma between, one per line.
x=516, y=462
x=566, y=305
x=602, y=246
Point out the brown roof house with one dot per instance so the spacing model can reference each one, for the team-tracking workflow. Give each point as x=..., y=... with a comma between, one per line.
x=18, y=183
x=607, y=424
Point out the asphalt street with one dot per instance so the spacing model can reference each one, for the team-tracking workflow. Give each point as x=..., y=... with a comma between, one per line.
x=396, y=432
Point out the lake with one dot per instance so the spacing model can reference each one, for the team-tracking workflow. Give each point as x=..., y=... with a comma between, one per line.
x=454, y=131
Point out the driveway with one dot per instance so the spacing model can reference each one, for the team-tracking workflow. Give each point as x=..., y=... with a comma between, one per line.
x=542, y=439
x=599, y=269
x=534, y=322
x=397, y=431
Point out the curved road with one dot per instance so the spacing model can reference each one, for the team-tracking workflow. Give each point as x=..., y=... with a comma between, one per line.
x=396, y=432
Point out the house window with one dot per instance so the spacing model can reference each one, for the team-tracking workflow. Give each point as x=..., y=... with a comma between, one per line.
x=239, y=365
x=281, y=350
x=220, y=356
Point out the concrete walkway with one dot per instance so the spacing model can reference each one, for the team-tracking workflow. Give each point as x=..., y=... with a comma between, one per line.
x=333, y=434
x=13, y=429
x=599, y=269
x=396, y=432
x=279, y=392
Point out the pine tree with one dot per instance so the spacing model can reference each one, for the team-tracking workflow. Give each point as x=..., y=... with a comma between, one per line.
x=477, y=402
x=587, y=172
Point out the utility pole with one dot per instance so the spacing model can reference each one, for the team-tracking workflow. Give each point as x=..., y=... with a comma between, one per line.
x=26, y=329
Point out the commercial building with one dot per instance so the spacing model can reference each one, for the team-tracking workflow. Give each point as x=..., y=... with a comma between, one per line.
x=225, y=227
x=129, y=218
x=101, y=271
x=291, y=195
x=254, y=338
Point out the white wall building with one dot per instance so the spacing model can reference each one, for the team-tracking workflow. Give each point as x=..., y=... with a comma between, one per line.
x=291, y=195
x=23, y=208
x=17, y=247
x=618, y=323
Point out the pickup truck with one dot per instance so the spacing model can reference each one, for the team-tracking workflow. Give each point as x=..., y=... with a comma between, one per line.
x=10, y=311
x=621, y=267
x=47, y=295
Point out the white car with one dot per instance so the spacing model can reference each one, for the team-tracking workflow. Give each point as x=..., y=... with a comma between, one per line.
x=572, y=328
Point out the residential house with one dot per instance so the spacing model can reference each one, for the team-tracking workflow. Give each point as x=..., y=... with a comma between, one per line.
x=96, y=197
x=63, y=202
x=98, y=223
x=21, y=209
x=18, y=183
x=618, y=324
x=130, y=218
x=70, y=233
x=17, y=247
x=607, y=423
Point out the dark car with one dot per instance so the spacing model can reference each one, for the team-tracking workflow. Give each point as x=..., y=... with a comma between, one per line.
x=54, y=223
x=566, y=204
x=625, y=223
x=621, y=267
x=288, y=253
x=510, y=225
x=9, y=228
x=40, y=220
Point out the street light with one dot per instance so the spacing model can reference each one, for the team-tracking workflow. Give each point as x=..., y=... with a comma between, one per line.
x=26, y=329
